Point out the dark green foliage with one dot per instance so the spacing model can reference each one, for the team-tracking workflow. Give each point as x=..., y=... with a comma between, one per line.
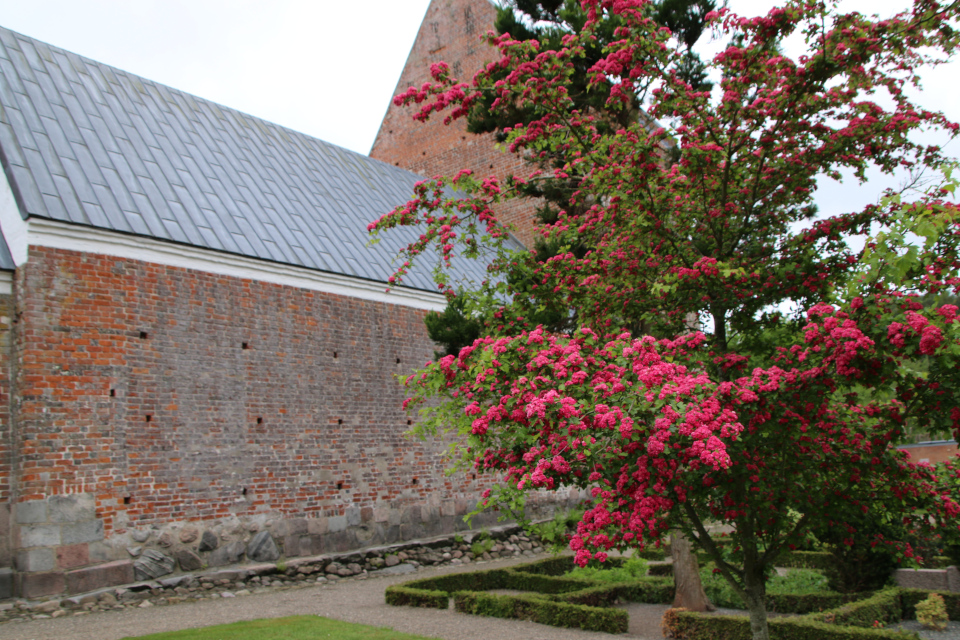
x=542, y=583
x=403, y=596
x=809, y=602
x=804, y=560
x=860, y=568
x=557, y=614
x=697, y=626
x=867, y=563
x=910, y=597
x=952, y=552
x=647, y=590
x=651, y=553
x=853, y=621
x=940, y=562
x=556, y=566
x=480, y=580
x=563, y=601
x=454, y=328
x=548, y=21
x=884, y=606
x=660, y=570
x=555, y=533
x=560, y=600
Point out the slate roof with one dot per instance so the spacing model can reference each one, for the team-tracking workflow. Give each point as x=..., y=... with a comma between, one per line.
x=85, y=143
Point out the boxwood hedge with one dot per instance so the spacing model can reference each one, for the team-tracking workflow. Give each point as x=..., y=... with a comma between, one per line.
x=531, y=607
x=698, y=626
x=563, y=601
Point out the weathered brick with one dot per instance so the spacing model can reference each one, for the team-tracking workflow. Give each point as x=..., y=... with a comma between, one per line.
x=306, y=423
x=304, y=426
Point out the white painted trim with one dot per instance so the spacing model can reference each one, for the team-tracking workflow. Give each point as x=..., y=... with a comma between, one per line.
x=6, y=282
x=13, y=225
x=58, y=235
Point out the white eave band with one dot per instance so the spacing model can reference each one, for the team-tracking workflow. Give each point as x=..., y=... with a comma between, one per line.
x=57, y=235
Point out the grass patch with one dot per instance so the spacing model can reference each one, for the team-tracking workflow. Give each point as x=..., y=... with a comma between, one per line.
x=291, y=628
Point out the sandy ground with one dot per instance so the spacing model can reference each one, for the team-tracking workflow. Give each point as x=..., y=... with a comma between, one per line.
x=351, y=600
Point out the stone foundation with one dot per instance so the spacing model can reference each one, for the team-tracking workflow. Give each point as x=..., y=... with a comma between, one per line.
x=237, y=581
x=63, y=549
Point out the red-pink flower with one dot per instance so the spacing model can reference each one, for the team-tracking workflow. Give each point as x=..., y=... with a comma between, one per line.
x=930, y=339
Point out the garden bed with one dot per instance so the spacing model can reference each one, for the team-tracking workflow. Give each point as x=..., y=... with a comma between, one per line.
x=553, y=598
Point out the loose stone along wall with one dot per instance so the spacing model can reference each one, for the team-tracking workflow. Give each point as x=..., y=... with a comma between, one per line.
x=169, y=419
x=503, y=542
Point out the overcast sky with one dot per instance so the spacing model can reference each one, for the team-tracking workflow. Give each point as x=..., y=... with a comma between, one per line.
x=325, y=68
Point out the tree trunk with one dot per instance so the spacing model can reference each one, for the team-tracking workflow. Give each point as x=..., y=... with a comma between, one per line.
x=758, y=616
x=756, y=595
x=686, y=576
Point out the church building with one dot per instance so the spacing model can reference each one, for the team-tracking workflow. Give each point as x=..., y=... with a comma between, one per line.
x=197, y=344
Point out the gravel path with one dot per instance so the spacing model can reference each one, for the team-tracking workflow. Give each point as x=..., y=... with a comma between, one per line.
x=952, y=631
x=351, y=600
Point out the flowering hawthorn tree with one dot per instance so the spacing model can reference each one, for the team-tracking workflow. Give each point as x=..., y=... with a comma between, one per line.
x=770, y=422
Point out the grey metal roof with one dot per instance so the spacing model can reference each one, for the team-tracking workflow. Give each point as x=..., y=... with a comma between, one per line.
x=85, y=143
x=6, y=260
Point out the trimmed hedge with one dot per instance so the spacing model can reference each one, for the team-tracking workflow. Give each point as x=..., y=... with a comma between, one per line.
x=557, y=614
x=698, y=626
x=556, y=566
x=852, y=621
x=478, y=580
x=884, y=606
x=523, y=581
x=579, y=603
x=819, y=560
x=401, y=596
x=810, y=602
x=560, y=600
x=910, y=597
x=648, y=590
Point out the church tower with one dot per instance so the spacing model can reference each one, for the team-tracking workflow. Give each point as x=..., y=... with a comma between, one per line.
x=452, y=32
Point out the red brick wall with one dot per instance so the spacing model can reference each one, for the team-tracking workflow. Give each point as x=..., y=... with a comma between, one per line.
x=135, y=386
x=6, y=433
x=451, y=32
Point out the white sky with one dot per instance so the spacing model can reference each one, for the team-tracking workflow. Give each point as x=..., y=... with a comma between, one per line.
x=325, y=68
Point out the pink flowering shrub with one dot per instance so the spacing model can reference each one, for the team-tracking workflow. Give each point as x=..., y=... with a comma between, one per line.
x=699, y=214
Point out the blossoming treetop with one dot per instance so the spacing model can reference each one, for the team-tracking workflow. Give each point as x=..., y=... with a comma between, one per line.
x=770, y=422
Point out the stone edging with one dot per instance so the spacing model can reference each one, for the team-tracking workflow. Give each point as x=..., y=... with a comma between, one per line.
x=408, y=557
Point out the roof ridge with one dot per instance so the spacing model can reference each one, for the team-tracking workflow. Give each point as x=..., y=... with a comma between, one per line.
x=86, y=143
